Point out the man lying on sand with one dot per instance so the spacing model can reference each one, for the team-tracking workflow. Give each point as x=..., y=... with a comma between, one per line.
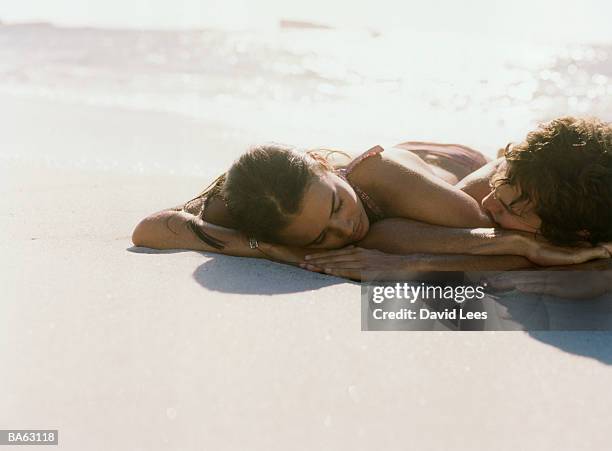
x=415, y=207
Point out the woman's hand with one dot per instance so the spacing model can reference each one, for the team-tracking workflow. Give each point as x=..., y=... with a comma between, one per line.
x=543, y=253
x=352, y=262
x=292, y=255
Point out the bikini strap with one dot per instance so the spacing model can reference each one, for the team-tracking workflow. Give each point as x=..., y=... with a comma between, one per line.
x=368, y=153
x=374, y=212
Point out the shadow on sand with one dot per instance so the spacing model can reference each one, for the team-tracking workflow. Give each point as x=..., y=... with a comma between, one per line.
x=261, y=277
x=240, y=275
x=594, y=344
x=581, y=327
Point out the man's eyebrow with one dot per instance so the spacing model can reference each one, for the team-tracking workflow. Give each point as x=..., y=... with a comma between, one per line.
x=333, y=207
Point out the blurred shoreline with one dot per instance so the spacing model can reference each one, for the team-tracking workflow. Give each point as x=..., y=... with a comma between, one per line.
x=304, y=85
x=544, y=21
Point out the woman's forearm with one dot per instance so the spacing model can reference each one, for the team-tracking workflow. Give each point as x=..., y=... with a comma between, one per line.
x=404, y=236
x=171, y=229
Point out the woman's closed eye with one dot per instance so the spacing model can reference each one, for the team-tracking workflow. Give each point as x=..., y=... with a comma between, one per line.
x=324, y=234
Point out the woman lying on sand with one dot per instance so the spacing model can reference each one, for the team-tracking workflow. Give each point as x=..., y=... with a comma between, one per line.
x=426, y=206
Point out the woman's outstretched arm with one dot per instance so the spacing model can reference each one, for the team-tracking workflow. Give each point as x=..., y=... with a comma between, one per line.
x=172, y=229
x=178, y=229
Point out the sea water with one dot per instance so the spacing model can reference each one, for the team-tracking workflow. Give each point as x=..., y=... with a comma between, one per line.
x=344, y=86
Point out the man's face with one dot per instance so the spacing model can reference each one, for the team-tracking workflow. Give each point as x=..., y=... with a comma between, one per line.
x=502, y=206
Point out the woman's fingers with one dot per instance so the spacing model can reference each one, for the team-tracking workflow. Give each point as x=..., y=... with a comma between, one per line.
x=309, y=267
x=343, y=265
x=343, y=251
x=346, y=273
x=331, y=266
x=322, y=261
x=351, y=271
x=338, y=265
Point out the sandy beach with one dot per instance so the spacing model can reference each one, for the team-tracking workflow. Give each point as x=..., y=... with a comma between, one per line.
x=126, y=349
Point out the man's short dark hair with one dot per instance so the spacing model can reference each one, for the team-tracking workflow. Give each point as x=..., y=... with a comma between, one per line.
x=565, y=168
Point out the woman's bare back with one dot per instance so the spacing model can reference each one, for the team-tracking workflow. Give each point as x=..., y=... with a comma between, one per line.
x=439, y=160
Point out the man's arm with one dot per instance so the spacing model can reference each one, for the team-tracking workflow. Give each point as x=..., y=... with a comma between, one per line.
x=452, y=262
x=404, y=236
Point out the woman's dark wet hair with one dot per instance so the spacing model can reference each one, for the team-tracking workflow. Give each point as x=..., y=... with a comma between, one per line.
x=264, y=188
x=565, y=168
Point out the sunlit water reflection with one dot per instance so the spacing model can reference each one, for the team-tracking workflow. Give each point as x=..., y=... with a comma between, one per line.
x=315, y=86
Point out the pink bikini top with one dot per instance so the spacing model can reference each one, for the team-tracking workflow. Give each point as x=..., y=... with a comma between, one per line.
x=373, y=211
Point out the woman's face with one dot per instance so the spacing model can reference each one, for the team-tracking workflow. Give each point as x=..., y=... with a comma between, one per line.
x=332, y=215
x=502, y=207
